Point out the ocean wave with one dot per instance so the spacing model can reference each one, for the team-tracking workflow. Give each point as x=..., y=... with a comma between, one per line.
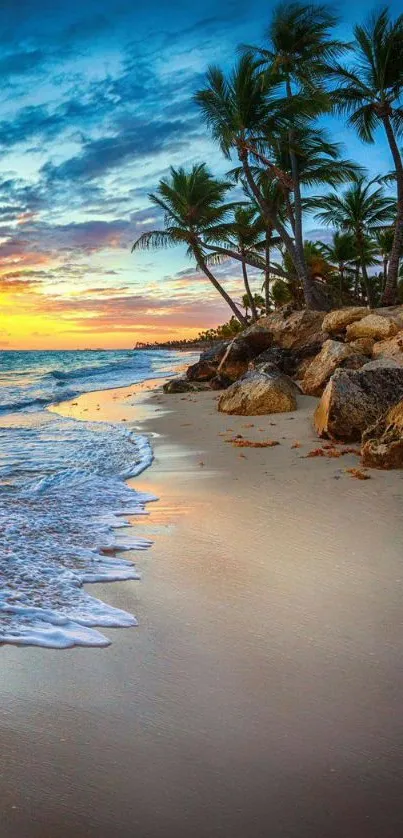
x=63, y=527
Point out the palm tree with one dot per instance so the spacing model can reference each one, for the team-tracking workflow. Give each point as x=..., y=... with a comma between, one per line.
x=385, y=240
x=299, y=43
x=245, y=234
x=370, y=91
x=194, y=212
x=242, y=111
x=342, y=252
x=360, y=210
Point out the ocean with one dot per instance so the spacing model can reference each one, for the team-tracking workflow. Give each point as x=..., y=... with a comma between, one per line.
x=63, y=495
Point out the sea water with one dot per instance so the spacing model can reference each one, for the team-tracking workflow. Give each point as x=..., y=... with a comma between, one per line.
x=63, y=495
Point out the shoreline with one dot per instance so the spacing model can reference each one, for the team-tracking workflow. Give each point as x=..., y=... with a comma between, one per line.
x=262, y=684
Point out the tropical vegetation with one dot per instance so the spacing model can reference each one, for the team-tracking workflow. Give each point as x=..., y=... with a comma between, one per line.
x=268, y=116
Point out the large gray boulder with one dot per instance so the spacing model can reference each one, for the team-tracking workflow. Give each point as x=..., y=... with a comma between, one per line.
x=355, y=399
x=332, y=355
x=260, y=393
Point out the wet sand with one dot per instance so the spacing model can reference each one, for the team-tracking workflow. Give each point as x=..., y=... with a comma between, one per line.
x=261, y=693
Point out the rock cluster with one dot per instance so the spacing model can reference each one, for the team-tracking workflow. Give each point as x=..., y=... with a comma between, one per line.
x=351, y=358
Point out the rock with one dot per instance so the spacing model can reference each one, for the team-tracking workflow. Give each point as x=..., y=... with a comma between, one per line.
x=201, y=371
x=259, y=393
x=282, y=358
x=363, y=346
x=381, y=363
x=392, y=348
x=236, y=360
x=383, y=442
x=332, y=355
x=355, y=399
x=182, y=385
x=372, y=326
x=215, y=353
x=296, y=330
x=336, y=321
x=258, y=337
x=219, y=382
x=394, y=313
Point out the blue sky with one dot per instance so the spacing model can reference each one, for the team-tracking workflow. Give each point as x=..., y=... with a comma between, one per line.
x=95, y=105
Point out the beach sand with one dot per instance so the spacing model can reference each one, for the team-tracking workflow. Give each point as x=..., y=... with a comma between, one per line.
x=261, y=693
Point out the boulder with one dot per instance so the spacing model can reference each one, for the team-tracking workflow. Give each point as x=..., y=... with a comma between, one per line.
x=259, y=393
x=382, y=444
x=215, y=353
x=381, y=363
x=296, y=330
x=258, y=337
x=282, y=358
x=392, y=348
x=201, y=371
x=355, y=399
x=219, y=382
x=332, y=355
x=236, y=360
x=336, y=321
x=182, y=385
x=394, y=313
x=372, y=326
x=363, y=346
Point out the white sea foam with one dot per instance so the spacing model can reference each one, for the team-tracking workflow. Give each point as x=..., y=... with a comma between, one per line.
x=60, y=528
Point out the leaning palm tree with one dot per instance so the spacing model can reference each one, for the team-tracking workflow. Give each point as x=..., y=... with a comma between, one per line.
x=242, y=111
x=299, y=42
x=370, y=91
x=360, y=210
x=194, y=211
x=246, y=235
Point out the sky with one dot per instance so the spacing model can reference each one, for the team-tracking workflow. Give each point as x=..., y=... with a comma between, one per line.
x=95, y=106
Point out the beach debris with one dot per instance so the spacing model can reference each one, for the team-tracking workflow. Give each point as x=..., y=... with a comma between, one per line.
x=249, y=425
x=296, y=444
x=358, y=473
x=201, y=463
x=250, y=443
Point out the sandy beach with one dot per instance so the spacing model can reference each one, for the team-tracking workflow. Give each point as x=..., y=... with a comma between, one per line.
x=261, y=692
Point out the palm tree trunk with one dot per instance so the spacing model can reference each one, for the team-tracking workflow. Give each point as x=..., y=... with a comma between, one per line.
x=267, y=270
x=341, y=282
x=247, y=289
x=385, y=272
x=233, y=306
x=313, y=299
x=296, y=220
x=389, y=296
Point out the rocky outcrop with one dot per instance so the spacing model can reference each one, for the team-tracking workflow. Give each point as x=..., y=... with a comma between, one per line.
x=259, y=393
x=382, y=444
x=372, y=326
x=392, y=348
x=354, y=400
x=337, y=321
x=182, y=385
x=332, y=355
